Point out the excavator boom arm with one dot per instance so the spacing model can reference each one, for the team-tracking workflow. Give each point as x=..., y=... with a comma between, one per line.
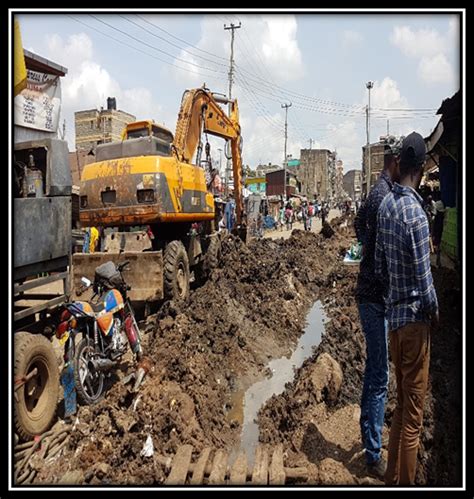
x=200, y=112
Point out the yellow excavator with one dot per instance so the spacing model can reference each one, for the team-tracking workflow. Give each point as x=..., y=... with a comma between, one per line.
x=148, y=181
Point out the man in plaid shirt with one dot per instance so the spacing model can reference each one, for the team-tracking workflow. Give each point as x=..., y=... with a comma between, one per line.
x=402, y=259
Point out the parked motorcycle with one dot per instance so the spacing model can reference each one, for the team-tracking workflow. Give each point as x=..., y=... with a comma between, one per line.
x=107, y=325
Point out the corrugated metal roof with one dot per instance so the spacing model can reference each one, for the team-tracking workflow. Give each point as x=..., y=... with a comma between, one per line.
x=37, y=63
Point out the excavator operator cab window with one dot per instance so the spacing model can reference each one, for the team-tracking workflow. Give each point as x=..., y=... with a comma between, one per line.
x=136, y=134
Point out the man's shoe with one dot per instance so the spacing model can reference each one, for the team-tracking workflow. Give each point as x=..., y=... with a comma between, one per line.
x=377, y=469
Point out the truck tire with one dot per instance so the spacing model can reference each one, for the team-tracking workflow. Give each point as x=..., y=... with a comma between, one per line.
x=176, y=272
x=37, y=400
x=210, y=260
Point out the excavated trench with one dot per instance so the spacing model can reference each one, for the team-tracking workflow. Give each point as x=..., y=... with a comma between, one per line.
x=246, y=360
x=246, y=403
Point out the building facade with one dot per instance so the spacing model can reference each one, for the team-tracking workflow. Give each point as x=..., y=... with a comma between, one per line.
x=376, y=164
x=352, y=184
x=262, y=170
x=95, y=127
x=317, y=173
x=339, y=193
x=275, y=184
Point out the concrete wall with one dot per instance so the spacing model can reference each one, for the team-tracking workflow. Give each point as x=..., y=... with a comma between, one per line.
x=94, y=126
x=376, y=165
x=353, y=183
x=313, y=173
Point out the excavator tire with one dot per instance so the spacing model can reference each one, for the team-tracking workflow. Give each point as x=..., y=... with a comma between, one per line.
x=36, y=400
x=210, y=261
x=176, y=272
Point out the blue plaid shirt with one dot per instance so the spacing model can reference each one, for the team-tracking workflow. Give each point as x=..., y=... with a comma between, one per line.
x=402, y=258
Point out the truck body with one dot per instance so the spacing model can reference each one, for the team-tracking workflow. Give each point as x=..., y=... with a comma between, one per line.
x=41, y=192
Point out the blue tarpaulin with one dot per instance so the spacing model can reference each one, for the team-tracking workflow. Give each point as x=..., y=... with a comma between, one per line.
x=269, y=222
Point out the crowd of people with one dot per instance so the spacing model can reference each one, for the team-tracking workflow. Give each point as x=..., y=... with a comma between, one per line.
x=305, y=212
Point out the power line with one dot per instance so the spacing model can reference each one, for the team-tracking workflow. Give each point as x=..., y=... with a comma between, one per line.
x=171, y=43
x=181, y=40
x=263, y=80
x=142, y=51
x=155, y=48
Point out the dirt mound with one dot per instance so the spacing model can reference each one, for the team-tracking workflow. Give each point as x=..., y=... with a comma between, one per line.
x=286, y=416
x=251, y=309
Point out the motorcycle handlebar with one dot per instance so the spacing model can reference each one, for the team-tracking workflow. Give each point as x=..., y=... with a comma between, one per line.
x=122, y=265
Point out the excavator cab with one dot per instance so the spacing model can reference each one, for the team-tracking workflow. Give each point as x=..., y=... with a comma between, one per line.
x=140, y=138
x=146, y=128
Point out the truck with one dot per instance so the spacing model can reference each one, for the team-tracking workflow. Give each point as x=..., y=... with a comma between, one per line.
x=41, y=192
x=149, y=181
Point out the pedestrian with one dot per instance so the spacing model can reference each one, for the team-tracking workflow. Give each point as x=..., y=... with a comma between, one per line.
x=304, y=215
x=370, y=302
x=87, y=238
x=430, y=209
x=94, y=240
x=402, y=259
x=281, y=217
x=324, y=211
x=310, y=215
x=230, y=214
x=222, y=223
x=437, y=228
x=289, y=216
x=259, y=224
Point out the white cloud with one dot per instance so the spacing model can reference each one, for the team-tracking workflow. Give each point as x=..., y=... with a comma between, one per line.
x=346, y=139
x=431, y=48
x=87, y=84
x=386, y=94
x=279, y=46
x=436, y=69
x=267, y=46
x=421, y=43
x=76, y=50
x=351, y=38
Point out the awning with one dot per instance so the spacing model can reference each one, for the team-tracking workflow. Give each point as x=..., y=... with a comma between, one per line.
x=433, y=139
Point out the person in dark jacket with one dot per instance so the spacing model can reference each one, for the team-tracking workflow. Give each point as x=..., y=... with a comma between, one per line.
x=370, y=300
x=437, y=228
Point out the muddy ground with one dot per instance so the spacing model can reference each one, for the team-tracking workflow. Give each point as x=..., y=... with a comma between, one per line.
x=296, y=417
x=251, y=310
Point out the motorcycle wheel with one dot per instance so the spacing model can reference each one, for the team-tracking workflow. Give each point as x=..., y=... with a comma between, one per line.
x=89, y=383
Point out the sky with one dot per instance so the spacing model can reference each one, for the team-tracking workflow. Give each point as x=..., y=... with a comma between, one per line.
x=318, y=62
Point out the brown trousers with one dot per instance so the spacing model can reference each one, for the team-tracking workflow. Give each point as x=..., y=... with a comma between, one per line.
x=410, y=352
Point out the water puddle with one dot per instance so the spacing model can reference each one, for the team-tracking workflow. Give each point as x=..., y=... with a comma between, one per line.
x=247, y=403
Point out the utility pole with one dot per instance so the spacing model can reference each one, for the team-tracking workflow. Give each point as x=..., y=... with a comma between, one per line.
x=285, y=107
x=369, y=86
x=232, y=27
x=388, y=128
x=310, y=144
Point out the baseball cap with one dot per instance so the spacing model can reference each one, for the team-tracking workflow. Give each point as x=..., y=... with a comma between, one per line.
x=393, y=145
x=413, y=149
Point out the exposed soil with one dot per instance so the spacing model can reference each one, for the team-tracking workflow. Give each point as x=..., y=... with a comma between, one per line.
x=297, y=418
x=251, y=310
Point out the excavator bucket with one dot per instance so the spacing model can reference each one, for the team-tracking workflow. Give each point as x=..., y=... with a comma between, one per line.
x=240, y=231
